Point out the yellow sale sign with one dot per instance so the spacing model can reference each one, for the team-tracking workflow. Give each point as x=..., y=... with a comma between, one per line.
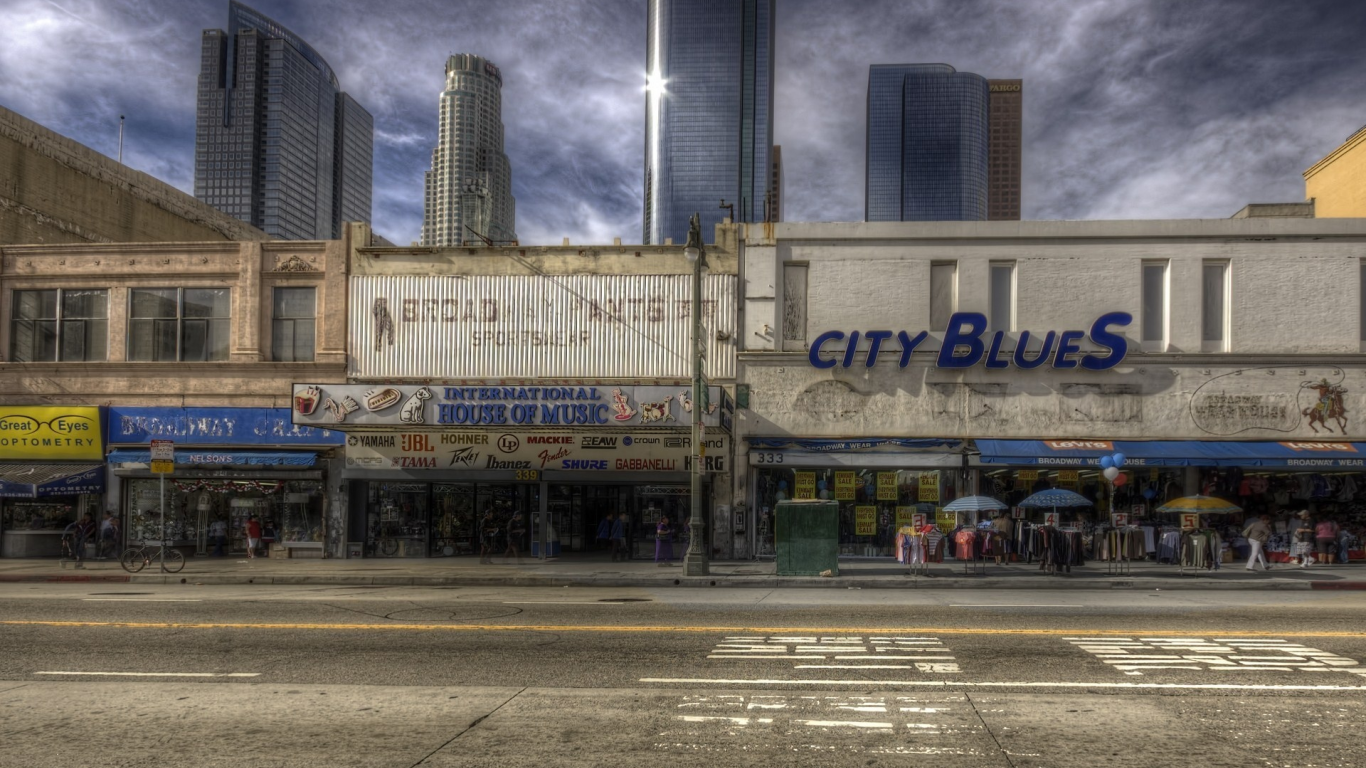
x=806, y=485
x=844, y=486
x=929, y=486
x=886, y=486
x=865, y=521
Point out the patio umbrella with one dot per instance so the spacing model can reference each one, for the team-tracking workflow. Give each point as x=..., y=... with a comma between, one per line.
x=975, y=504
x=1056, y=497
x=1205, y=505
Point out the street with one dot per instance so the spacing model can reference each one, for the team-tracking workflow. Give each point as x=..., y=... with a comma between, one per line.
x=112, y=675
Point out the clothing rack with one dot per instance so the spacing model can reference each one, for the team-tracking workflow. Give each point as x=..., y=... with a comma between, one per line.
x=1200, y=550
x=914, y=548
x=1118, y=547
x=968, y=545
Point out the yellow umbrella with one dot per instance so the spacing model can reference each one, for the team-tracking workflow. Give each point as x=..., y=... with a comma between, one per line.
x=1205, y=505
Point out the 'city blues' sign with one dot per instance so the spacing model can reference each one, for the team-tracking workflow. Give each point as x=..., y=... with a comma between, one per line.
x=967, y=343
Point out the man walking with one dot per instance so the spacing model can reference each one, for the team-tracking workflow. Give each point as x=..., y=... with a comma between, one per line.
x=1257, y=533
x=83, y=530
x=109, y=536
x=253, y=531
x=619, y=548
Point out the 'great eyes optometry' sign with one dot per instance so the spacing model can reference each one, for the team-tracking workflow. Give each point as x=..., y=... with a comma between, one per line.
x=967, y=343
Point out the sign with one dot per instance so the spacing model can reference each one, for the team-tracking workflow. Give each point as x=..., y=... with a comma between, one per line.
x=518, y=451
x=804, y=485
x=1052, y=518
x=904, y=516
x=1069, y=476
x=1138, y=510
x=1017, y=513
x=528, y=327
x=163, y=467
x=845, y=486
x=215, y=426
x=946, y=521
x=929, y=486
x=886, y=486
x=865, y=521
x=1004, y=87
x=966, y=344
x=1119, y=519
x=38, y=433
x=1028, y=475
x=1153, y=474
x=344, y=406
x=918, y=520
x=1190, y=521
x=163, y=450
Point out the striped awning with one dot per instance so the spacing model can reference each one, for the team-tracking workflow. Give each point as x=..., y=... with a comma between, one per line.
x=28, y=481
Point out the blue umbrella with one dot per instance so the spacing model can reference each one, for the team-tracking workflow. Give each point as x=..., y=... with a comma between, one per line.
x=974, y=504
x=1056, y=497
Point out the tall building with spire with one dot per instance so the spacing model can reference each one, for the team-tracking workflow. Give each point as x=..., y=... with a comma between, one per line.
x=469, y=187
x=277, y=143
x=708, y=114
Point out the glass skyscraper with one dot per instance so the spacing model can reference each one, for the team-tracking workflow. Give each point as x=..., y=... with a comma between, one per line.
x=277, y=144
x=927, y=144
x=708, y=114
x=469, y=187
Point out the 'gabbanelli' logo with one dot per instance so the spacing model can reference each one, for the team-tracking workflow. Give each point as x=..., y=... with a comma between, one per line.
x=1322, y=447
x=1080, y=445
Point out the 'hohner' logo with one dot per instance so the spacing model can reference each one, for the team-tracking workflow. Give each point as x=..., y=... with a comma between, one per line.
x=1329, y=447
x=1080, y=445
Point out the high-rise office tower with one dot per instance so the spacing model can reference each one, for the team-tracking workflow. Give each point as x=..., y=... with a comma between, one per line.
x=927, y=144
x=708, y=113
x=775, y=186
x=469, y=188
x=277, y=143
x=1003, y=156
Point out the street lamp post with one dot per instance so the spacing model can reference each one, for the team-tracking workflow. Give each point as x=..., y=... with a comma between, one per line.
x=695, y=561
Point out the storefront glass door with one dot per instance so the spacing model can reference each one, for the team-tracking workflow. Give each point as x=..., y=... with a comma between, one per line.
x=397, y=520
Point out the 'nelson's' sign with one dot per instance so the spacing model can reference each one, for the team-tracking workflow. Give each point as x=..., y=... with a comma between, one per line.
x=967, y=343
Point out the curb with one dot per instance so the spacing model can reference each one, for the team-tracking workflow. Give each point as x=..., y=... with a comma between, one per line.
x=81, y=578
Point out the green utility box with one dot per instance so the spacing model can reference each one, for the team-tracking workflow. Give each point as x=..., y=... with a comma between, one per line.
x=807, y=538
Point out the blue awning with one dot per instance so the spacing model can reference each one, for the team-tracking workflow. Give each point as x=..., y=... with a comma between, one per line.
x=200, y=457
x=28, y=481
x=1290, y=454
x=858, y=444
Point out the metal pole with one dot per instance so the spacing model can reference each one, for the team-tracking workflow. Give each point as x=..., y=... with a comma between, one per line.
x=163, y=521
x=695, y=561
x=120, y=138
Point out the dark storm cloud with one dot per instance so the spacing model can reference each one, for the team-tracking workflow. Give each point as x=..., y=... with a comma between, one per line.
x=1133, y=108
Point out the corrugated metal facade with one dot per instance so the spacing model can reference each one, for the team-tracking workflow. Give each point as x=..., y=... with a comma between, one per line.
x=532, y=327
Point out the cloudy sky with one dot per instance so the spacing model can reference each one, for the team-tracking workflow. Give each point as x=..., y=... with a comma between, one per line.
x=1133, y=108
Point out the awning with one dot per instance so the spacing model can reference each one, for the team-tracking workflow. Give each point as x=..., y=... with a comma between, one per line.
x=889, y=452
x=1288, y=454
x=197, y=457
x=855, y=444
x=27, y=481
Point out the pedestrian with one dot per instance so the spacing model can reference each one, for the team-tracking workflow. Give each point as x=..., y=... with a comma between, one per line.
x=664, y=545
x=81, y=532
x=1257, y=533
x=1304, y=539
x=1326, y=537
x=109, y=535
x=488, y=536
x=516, y=530
x=253, y=531
x=604, y=536
x=218, y=536
x=619, y=549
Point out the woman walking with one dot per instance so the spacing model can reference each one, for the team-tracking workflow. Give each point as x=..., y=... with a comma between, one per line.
x=664, y=545
x=1304, y=539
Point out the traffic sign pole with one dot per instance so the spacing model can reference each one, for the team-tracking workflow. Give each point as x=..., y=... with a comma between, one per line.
x=163, y=463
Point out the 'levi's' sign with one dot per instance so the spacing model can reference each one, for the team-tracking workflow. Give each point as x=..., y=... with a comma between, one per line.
x=967, y=343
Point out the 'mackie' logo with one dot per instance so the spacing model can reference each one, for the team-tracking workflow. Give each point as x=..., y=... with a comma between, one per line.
x=1322, y=447
x=1080, y=445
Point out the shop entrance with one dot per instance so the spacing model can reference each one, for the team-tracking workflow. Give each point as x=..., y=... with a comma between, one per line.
x=576, y=511
x=414, y=519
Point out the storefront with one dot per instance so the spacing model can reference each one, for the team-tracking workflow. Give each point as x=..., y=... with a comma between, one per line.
x=427, y=474
x=51, y=474
x=230, y=464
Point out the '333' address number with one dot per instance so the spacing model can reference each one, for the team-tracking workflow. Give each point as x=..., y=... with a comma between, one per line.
x=768, y=458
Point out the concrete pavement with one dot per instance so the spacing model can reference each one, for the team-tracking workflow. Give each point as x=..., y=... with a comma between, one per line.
x=596, y=570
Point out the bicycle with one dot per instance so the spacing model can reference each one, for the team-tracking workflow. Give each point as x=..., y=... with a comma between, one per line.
x=136, y=558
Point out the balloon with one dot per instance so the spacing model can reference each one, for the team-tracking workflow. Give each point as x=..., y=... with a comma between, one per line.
x=782, y=485
x=1111, y=473
x=1119, y=459
x=1149, y=493
x=1107, y=462
x=1121, y=480
x=821, y=485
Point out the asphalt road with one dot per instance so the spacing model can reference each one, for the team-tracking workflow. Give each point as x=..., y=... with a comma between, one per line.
x=341, y=676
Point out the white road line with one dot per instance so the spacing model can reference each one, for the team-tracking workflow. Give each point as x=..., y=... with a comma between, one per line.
x=899, y=658
x=843, y=724
x=955, y=684
x=853, y=666
x=555, y=602
x=748, y=656
x=155, y=674
x=1015, y=605
x=137, y=600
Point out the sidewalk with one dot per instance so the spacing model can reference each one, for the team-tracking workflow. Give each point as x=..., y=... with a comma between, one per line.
x=597, y=570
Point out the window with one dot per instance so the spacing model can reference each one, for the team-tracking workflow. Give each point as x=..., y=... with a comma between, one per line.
x=178, y=324
x=1214, y=303
x=794, y=305
x=1002, y=316
x=1155, y=305
x=292, y=326
x=63, y=324
x=943, y=295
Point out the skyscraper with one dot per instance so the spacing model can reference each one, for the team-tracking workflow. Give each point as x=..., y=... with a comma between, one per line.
x=277, y=143
x=1003, y=156
x=470, y=184
x=927, y=144
x=775, y=186
x=708, y=113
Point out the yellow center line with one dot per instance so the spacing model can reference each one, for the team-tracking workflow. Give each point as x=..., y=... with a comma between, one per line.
x=627, y=628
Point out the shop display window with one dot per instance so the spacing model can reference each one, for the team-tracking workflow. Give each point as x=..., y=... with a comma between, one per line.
x=289, y=511
x=38, y=514
x=873, y=503
x=397, y=520
x=453, y=519
x=1145, y=489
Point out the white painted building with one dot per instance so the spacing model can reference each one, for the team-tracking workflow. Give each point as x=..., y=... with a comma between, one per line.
x=1228, y=349
x=469, y=185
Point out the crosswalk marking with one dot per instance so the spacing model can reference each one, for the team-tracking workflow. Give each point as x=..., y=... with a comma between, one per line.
x=927, y=654
x=1225, y=654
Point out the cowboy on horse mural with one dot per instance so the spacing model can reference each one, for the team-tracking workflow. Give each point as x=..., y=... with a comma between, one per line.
x=1328, y=407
